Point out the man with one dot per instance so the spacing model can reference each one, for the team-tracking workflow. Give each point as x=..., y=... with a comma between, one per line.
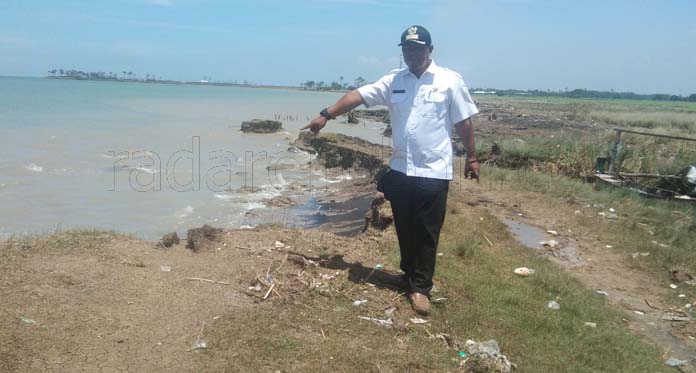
x=425, y=101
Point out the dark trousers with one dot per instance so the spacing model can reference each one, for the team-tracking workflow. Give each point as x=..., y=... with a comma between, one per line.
x=419, y=207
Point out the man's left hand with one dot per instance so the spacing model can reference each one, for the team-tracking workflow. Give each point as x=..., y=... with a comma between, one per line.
x=471, y=169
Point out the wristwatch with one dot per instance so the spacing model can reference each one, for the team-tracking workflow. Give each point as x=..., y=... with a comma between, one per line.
x=325, y=113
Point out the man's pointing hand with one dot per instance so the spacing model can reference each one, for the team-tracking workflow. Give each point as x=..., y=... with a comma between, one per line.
x=315, y=125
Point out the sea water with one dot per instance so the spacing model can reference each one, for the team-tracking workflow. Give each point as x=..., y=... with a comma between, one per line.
x=148, y=159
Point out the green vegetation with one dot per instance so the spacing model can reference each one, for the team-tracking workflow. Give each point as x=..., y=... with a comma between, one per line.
x=586, y=93
x=335, y=85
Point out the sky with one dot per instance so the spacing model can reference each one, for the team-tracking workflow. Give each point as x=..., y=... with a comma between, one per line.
x=624, y=45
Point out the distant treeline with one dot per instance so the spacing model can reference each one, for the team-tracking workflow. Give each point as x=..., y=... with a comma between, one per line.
x=335, y=85
x=101, y=75
x=586, y=93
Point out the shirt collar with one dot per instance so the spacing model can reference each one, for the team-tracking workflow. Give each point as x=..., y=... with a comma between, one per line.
x=432, y=68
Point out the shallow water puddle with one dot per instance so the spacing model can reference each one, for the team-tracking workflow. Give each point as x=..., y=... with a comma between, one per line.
x=526, y=234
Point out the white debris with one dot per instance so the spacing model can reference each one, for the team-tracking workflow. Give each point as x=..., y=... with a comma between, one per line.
x=359, y=303
x=611, y=210
x=639, y=313
x=609, y=246
x=553, y=233
x=591, y=324
x=165, y=268
x=553, y=305
x=602, y=292
x=549, y=243
x=279, y=245
x=523, y=271
x=673, y=286
x=387, y=323
x=682, y=295
x=418, y=320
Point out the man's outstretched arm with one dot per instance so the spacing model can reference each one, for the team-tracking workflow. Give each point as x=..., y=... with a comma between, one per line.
x=465, y=130
x=348, y=102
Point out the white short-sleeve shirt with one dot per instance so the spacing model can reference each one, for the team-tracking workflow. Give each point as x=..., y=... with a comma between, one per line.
x=423, y=112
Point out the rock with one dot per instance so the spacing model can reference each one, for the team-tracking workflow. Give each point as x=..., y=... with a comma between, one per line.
x=387, y=131
x=202, y=238
x=170, y=239
x=261, y=126
x=485, y=357
x=380, y=216
x=280, y=201
x=336, y=150
x=379, y=115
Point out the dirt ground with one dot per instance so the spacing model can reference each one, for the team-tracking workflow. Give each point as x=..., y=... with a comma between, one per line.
x=129, y=306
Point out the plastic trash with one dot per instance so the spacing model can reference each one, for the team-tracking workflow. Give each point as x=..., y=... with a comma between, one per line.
x=378, y=267
x=674, y=362
x=602, y=292
x=673, y=286
x=387, y=323
x=462, y=354
x=553, y=305
x=590, y=324
x=27, y=321
x=279, y=245
x=523, y=271
x=359, y=303
x=553, y=233
x=418, y=320
x=165, y=268
x=549, y=243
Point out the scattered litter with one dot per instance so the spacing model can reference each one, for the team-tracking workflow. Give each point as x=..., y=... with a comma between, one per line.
x=682, y=295
x=387, y=323
x=688, y=305
x=517, y=215
x=390, y=311
x=549, y=243
x=484, y=357
x=378, y=267
x=523, y=271
x=636, y=255
x=577, y=212
x=553, y=233
x=199, y=345
x=27, y=321
x=359, y=303
x=438, y=300
x=418, y=320
x=256, y=287
x=553, y=305
x=602, y=292
x=612, y=216
x=326, y=277
x=601, y=213
x=674, y=362
x=165, y=268
x=279, y=245
x=590, y=324
x=611, y=210
x=639, y=313
x=673, y=286
x=439, y=254
x=609, y=246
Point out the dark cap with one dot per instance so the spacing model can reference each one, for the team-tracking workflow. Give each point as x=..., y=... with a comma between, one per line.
x=416, y=34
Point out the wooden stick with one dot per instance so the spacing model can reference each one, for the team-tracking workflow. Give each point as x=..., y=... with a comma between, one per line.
x=322, y=333
x=269, y=291
x=242, y=248
x=206, y=280
x=489, y=241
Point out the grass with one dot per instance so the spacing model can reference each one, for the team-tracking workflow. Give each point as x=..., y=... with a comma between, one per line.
x=672, y=223
x=485, y=301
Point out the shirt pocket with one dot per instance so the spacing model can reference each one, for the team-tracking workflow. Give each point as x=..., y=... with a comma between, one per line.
x=434, y=104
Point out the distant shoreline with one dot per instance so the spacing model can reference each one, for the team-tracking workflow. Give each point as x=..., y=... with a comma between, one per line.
x=213, y=84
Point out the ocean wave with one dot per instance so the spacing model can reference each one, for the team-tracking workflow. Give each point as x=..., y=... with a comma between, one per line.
x=33, y=167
